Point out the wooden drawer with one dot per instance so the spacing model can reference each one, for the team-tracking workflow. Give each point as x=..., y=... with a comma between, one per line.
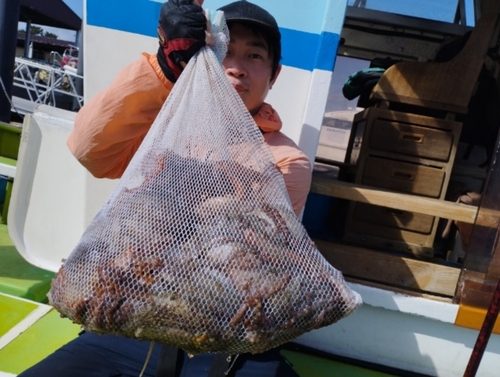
x=390, y=239
x=411, y=140
x=403, y=176
x=391, y=230
x=393, y=218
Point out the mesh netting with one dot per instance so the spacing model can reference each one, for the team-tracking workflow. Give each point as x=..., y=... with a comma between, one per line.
x=198, y=246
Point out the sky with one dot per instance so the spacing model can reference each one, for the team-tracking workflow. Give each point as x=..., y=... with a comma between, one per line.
x=76, y=6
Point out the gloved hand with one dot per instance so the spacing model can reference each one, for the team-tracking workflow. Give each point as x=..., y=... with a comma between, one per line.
x=181, y=34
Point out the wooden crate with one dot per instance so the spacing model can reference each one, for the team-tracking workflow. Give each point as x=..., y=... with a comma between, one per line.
x=404, y=153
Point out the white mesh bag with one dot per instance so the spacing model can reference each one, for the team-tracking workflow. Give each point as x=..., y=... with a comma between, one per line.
x=198, y=246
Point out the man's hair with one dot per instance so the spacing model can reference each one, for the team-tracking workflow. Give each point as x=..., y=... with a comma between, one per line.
x=260, y=22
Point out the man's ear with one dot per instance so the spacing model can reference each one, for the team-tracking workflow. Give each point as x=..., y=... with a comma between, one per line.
x=278, y=70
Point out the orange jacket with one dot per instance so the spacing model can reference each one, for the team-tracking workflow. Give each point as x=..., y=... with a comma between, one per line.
x=110, y=127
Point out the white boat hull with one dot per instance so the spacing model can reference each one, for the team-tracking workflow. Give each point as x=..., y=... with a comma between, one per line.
x=408, y=333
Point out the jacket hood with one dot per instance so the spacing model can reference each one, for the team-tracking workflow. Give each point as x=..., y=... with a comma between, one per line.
x=268, y=119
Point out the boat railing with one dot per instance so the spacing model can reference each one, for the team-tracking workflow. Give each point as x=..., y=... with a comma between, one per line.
x=38, y=83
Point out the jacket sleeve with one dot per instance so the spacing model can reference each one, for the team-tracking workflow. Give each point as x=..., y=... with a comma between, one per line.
x=110, y=127
x=297, y=176
x=295, y=167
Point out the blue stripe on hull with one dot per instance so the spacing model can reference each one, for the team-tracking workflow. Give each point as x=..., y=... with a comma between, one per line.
x=301, y=50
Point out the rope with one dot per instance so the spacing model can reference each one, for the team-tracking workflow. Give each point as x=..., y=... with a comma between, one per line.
x=9, y=99
x=150, y=352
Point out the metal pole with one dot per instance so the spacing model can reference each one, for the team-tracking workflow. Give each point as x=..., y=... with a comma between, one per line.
x=79, y=70
x=484, y=334
x=9, y=17
x=27, y=39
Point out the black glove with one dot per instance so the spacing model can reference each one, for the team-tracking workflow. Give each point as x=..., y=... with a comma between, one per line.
x=181, y=34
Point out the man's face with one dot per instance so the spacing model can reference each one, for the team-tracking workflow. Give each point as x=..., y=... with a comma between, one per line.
x=248, y=66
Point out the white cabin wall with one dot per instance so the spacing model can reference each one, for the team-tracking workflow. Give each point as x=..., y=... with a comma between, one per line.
x=291, y=107
x=310, y=30
x=321, y=77
x=110, y=51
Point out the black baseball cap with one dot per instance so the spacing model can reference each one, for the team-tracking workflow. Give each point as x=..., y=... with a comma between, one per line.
x=247, y=12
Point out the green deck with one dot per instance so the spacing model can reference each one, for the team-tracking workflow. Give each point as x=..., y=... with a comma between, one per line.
x=13, y=311
x=18, y=277
x=307, y=365
x=35, y=343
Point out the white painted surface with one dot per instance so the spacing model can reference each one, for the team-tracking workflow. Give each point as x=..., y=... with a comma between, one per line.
x=7, y=170
x=405, y=332
x=22, y=106
x=312, y=119
x=108, y=51
x=431, y=309
x=53, y=196
x=291, y=107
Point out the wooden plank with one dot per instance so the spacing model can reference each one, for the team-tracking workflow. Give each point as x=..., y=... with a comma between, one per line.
x=488, y=217
x=391, y=269
x=402, y=291
x=390, y=199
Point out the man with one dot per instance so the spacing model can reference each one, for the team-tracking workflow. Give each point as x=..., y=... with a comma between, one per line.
x=111, y=126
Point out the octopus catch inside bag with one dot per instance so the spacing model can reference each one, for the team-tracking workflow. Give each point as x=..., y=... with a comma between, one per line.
x=198, y=245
